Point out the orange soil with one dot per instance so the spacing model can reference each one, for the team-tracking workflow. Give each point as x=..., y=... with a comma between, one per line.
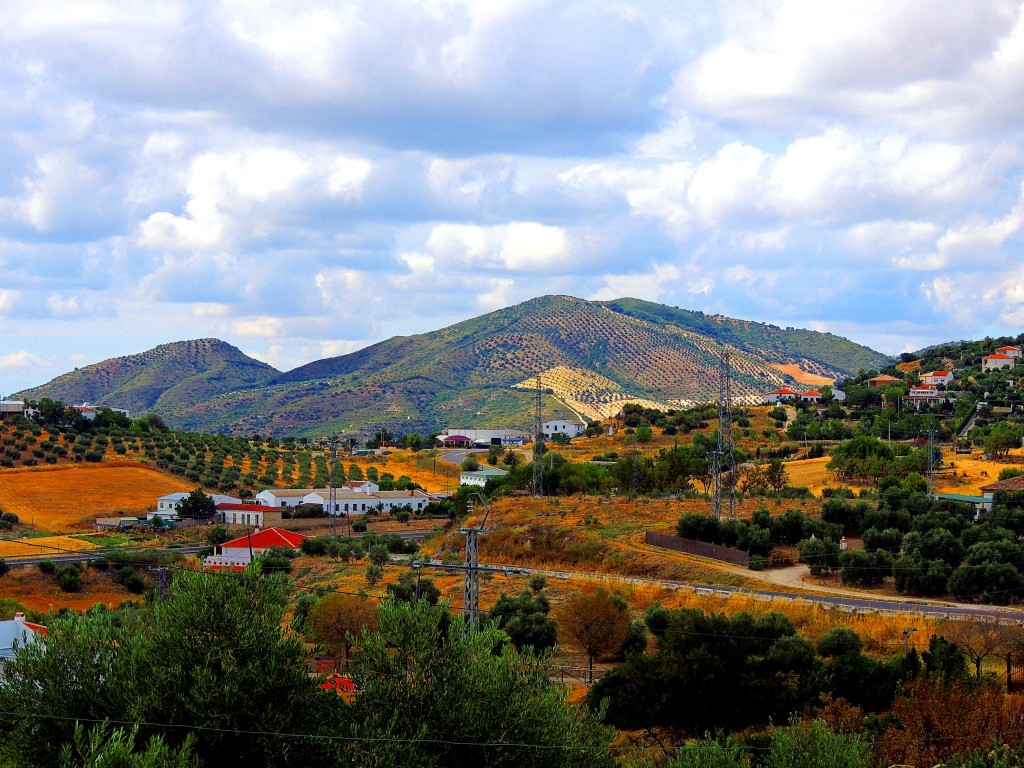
x=69, y=497
x=44, y=545
x=39, y=592
x=804, y=377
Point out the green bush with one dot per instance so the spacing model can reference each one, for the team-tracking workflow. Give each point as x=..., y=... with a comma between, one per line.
x=47, y=566
x=68, y=578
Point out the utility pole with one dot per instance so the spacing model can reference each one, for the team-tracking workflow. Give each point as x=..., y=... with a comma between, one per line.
x=332, y=441
x=538, y=474
x=724, y=456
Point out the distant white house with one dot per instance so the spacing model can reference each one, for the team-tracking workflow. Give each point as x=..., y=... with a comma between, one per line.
x=234, y=555
x=167, y=506
x=16, y=407
x=282, y=497
x=255, y=515
x=1009, y=351
x=937, y=378
x=480, y=476
x=563, y=427
x=90, y=411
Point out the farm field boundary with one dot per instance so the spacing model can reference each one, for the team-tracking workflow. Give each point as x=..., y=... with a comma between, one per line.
x=701, y=548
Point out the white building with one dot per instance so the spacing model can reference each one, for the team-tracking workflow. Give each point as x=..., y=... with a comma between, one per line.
x=238, y=553
x=480, y=476
x=167, y=506
x=563, y=427
x=282, y=497
x=348, y=502
x=16, y=633
x=935, y=378
x=997, y=361
x=90, y=411
x=484, y=438
x=1013, y=352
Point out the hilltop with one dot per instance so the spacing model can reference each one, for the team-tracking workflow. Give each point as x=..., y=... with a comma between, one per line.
x=591, y=356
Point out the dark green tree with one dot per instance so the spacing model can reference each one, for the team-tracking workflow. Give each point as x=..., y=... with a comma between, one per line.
x=525, y=620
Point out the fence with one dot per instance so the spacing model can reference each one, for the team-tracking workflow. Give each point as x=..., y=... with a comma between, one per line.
x=701, y=548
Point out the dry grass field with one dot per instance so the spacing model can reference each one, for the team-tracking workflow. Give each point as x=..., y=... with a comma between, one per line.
x=804, y=377
x=42, y=546
x=69, y=497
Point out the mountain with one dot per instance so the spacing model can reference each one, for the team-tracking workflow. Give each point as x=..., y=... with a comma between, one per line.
x=591, y=357
x=162, y=378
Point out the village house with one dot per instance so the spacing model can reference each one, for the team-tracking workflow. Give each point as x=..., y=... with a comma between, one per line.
x=90, y=411
x=355, y=502
x=563, y=427
x=1009, y=351
x=937, y=378
x=923, y=394
x=236, y=554
x=997, y=361
x=785, y=393
x=167, y=506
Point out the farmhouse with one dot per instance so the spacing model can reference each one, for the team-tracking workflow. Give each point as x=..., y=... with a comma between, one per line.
x=923, y=394
x=785, y=393
x=234, y=555
x=997, y=361
x=90, y=411
x=480, y=476
x=249, y=514
x=1009, y=351
x=15, y=407
x=167, y=506
x=356, y=502
x=563, y=427
x=282, y=497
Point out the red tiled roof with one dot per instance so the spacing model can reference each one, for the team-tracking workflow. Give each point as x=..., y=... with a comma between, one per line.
x=267, y=538
x=812, y=393
x=231, y=507
x=1013, y=484
x=997, y=356
x=935, y=373
x=1016, y=348
x=783, y=391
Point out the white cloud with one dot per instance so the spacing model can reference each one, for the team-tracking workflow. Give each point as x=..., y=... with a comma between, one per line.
x=20, y=359
x=518, y=246
x=651, y=285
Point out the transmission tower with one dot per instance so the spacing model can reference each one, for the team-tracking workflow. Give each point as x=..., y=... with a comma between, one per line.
x=471, y=581
x=332, y=442
x=724, y=457
x=538, y=432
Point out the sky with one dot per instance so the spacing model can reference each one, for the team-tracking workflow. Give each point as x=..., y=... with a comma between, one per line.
x=304, y=179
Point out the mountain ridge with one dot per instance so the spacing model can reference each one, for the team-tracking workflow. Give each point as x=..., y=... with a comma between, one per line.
x=591, y=355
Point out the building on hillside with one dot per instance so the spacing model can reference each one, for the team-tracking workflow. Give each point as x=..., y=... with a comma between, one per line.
x=455, y=441
x=572, y=428
x=15, y=634
x=783, y=394
x=924, y=394
x=937, y=378
x=485, y=438
x=15, y=408
x=116, y=523
x=1012, y=485
x=236, y=554
x=480, y=476
x=249, y=514
x=882, y=380
x=1009, y=351
x=167, y=506
x=90, y=411
x=997, y=361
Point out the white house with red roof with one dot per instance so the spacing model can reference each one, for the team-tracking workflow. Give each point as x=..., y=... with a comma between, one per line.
x=937, y=378
x=998, y=360
x=785, y=393
x=923, y=394
x=236, y=554
x=1009, y=351
x=17, y=633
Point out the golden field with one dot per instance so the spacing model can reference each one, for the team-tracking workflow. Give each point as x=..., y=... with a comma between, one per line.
x=42, y=546
x=68, y=497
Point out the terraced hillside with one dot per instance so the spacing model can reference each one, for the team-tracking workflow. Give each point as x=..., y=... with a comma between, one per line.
x=593, y=356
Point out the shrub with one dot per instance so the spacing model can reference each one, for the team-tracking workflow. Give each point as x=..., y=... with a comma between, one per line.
x=47, y=566
x=839, y=640
x=68, y=578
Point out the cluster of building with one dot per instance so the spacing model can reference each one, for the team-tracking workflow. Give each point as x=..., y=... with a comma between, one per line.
x=1004, y=357
x=472, y=437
